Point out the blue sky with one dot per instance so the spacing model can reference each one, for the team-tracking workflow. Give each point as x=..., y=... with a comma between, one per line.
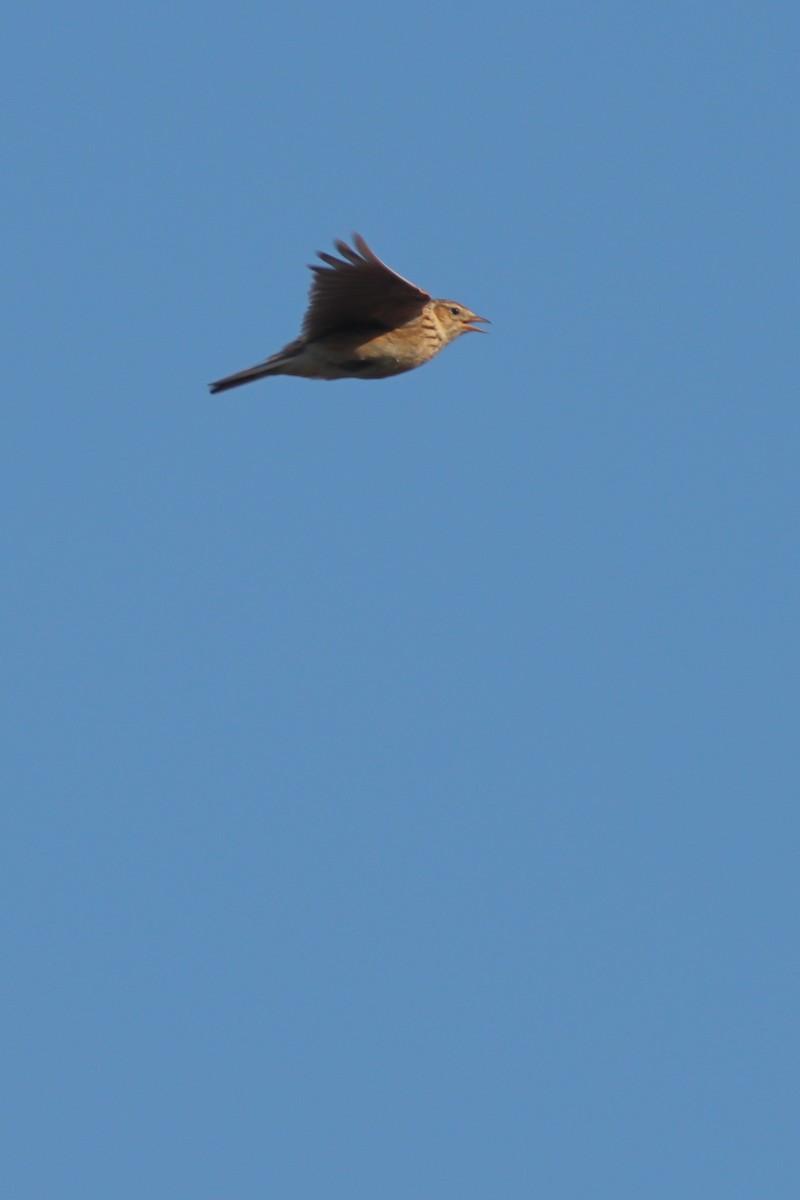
x=402, y=777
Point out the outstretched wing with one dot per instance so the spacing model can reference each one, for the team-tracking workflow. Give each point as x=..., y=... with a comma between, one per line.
x=357, y=291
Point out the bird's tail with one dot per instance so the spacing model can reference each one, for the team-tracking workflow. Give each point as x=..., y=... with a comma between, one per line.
x=248, y=376
x=274, y=365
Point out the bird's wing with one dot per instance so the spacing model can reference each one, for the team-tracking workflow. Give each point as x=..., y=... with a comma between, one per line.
x=358, y=290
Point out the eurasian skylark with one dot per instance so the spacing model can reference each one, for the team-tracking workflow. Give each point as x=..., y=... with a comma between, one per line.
x=363, y=322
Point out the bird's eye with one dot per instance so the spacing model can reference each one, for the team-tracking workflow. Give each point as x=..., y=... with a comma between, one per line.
x=455, y=310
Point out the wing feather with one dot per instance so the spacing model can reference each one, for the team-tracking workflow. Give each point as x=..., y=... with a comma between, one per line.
x=358, y=291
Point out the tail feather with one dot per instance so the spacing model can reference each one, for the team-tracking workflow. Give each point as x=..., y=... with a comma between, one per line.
x=274, y=365
x=247, y=376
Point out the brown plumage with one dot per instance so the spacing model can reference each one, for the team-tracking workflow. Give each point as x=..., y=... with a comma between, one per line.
x=363, y=322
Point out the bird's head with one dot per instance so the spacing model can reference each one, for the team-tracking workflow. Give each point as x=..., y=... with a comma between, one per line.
x=454, y=319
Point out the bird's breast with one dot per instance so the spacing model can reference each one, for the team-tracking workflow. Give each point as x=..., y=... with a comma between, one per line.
x=369, y=355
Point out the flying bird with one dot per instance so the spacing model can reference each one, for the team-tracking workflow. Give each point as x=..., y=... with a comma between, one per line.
x=363, y=322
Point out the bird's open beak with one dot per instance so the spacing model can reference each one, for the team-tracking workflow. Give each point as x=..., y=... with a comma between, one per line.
x=470, y=328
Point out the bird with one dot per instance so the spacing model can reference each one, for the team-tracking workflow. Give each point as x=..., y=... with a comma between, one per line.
x=363, y=321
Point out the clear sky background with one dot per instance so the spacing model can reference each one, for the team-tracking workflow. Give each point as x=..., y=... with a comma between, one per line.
x=402, y=778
